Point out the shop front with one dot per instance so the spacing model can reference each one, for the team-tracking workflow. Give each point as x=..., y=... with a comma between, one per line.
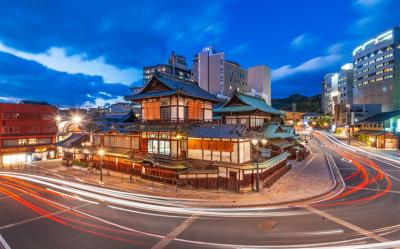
x=378, y=139
x=26, y=155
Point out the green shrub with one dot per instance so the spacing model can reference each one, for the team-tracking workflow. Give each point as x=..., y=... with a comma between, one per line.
x=79, y=163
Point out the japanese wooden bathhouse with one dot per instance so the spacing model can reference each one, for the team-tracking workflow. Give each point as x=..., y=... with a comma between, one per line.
x=177, y=139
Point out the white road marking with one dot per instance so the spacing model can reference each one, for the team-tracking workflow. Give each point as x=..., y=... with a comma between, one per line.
x=3, y=243
x=347, y=224
x=172, y=235
x=347, y=160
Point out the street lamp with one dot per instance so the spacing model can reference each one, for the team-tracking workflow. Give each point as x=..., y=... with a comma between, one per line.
x=76, y=119
x=101, y=153
x=348, y=123
x=264, y=141
x=255, y=142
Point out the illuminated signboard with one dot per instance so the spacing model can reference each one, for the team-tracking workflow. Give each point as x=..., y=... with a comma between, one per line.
x=398, y=125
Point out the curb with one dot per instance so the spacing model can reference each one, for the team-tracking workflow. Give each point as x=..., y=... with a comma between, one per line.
x=300, y=201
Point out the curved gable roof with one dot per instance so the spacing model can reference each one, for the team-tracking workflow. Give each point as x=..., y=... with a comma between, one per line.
x=161, y=85
x=249, y=103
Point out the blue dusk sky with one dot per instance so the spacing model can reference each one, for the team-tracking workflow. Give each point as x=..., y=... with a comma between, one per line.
x=86, y=53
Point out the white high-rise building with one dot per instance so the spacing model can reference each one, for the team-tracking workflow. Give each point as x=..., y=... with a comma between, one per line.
x=376, y=71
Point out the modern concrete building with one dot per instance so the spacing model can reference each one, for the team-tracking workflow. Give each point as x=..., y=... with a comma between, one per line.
x=259, y=82
x=329, y=86
x=176, y=67
x=345, y=84
x=376, y=71
x=217, y=75
x=27, y=132
x=337, y=89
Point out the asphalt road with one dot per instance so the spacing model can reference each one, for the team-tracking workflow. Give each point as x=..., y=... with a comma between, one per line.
x=44, y=212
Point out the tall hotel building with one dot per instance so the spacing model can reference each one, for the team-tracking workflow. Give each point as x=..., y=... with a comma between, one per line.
x=217, y=75
x=377, y=71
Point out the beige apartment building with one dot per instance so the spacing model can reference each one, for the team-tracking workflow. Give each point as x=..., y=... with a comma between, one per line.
x=217, y=75
x=259, y=81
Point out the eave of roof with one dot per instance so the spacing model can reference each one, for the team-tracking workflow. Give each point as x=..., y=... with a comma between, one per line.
x=176, y=86
x=251, y=104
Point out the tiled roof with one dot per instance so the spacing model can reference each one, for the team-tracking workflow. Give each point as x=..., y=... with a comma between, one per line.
x=381, y=117
x=191, y=130
x=184, y=87
x=75, y=140
x=116, y=118
x=269, y=131
x=281, y=143
x=219, y=131
x=252, y=103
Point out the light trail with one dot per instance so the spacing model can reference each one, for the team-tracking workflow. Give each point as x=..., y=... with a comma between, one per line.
x=105, y=196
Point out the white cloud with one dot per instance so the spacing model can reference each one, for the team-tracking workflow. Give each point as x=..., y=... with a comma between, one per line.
x=303, y=40
x=368, y=3
x=336, y=48
x=373, y=15
x=316, y=63
x=105, y=94
x=56, y=58
x=241, y=48
x=99, y=102
x=9, y=99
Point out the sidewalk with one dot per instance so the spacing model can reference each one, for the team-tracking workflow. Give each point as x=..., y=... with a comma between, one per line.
x=306, y=180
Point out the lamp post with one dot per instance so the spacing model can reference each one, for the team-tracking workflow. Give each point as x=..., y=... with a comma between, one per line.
x=348, y=123
x=101, y=154
x=255, y=142
x=76, y=119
